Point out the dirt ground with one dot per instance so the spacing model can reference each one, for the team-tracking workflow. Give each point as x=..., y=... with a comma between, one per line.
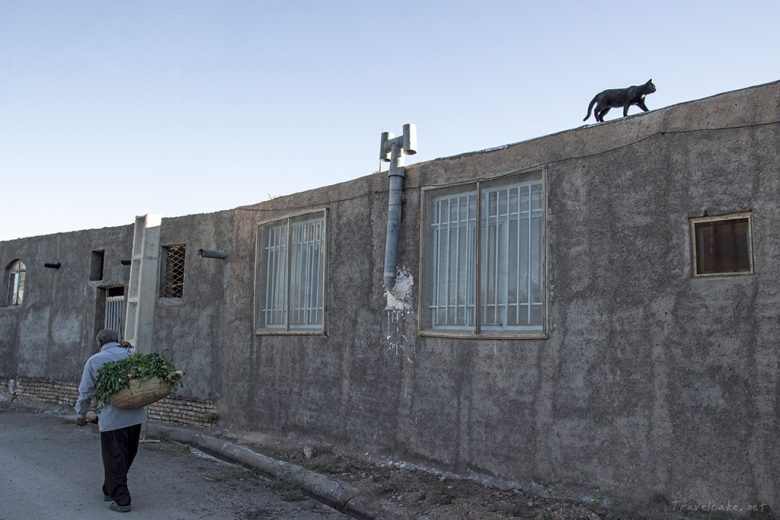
x=428, y=496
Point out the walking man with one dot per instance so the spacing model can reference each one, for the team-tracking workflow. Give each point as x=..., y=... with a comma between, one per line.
x=120, y=429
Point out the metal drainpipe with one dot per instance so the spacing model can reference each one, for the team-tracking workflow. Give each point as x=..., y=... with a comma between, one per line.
x=396, y=174
x=407, y=143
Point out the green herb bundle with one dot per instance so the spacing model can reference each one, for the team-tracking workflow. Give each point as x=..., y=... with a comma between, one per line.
x=114, y=376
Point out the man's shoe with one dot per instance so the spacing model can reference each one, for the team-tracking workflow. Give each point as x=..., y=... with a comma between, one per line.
x=119, y=509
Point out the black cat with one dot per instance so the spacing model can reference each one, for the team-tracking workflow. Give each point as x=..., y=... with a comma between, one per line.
x=620, y=97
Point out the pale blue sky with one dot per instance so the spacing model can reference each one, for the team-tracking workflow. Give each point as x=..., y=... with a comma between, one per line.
x=111, y=109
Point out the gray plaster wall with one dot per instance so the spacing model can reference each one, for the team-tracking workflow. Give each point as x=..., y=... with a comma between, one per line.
x=53, y=331
x=189, y=330
x=664, y=382
x=651, y=386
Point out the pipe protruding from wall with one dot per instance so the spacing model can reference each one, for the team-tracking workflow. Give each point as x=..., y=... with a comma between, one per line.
x=410, y=139
x=52, y=265
x=212, y=253
x=392, y=150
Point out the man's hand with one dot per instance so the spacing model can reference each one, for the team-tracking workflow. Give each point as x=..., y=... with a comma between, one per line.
x=81, y=421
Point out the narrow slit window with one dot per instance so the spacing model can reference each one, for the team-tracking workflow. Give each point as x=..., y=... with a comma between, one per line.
x=15, y=274
x=173, y=281
x=96, y=268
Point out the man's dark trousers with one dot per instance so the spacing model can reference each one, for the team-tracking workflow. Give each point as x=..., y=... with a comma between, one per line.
x=118, y=448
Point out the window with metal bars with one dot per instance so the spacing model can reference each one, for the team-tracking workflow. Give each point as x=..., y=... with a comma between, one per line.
x=290, y=275
x=115, y=310
x=722, y=245
x=15, y=275
x=487, y=278
x=173, y=280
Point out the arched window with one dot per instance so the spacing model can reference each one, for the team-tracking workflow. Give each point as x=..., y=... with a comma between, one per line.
x=15, y=274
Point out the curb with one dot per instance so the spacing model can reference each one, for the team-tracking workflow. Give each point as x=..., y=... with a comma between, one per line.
x=337, y=494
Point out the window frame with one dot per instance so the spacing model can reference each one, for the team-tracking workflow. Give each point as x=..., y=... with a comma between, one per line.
x=741, y=215
x=97, y=265
x=425, y=289
x=166, y=250
x=19, y=276
x=287, y=329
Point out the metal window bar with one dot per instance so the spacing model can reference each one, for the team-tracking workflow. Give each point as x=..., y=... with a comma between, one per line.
x=295, y=275
x=507, y=227
x=174, y=271
x=494, y=283
x=454, y=220
x=447, y=262
x=275, y=310
x=318, y=274
x=115, y=312
x=519, y=252
x=306, y=277
x=510, y=296
x=297, y=280
x=536, y=255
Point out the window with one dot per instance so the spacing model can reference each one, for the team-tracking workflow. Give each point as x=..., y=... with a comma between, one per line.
x=15, y=274
x=96, y=267
x=115, y=309
x=173, y=281
x=290, y=275
x=722, y=244
x=489, y=278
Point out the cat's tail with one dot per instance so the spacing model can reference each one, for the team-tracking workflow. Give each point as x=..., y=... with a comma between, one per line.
x=590, y=107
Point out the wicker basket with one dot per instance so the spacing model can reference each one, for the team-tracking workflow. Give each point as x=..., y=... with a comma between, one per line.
x=141, y=392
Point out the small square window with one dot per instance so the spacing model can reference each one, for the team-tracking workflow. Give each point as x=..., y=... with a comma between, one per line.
x=173, y=281
x=722, y=245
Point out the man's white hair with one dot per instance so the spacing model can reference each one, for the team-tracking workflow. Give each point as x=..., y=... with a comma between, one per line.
x=107, y=336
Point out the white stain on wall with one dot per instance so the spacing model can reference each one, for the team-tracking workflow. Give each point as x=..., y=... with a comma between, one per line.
x=400, y=297
x=398, y=306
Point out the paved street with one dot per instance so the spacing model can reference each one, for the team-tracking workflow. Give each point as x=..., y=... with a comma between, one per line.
x=52, y=469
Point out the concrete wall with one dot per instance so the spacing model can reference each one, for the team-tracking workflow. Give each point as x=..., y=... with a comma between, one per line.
x=45, y=341
x=53, y=332
x=651, y=386
x=189, y=329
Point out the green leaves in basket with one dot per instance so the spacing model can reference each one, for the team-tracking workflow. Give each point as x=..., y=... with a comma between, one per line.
x=114, y=376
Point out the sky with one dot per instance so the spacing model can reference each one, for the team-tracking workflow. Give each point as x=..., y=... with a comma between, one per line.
x=111, y=109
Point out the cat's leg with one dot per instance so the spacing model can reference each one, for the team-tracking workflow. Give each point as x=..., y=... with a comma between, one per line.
x=641, y=104
x=601, y=113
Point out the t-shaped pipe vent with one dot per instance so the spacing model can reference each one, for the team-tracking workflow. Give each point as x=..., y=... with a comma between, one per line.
x=392, y=149
x=406, y=142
